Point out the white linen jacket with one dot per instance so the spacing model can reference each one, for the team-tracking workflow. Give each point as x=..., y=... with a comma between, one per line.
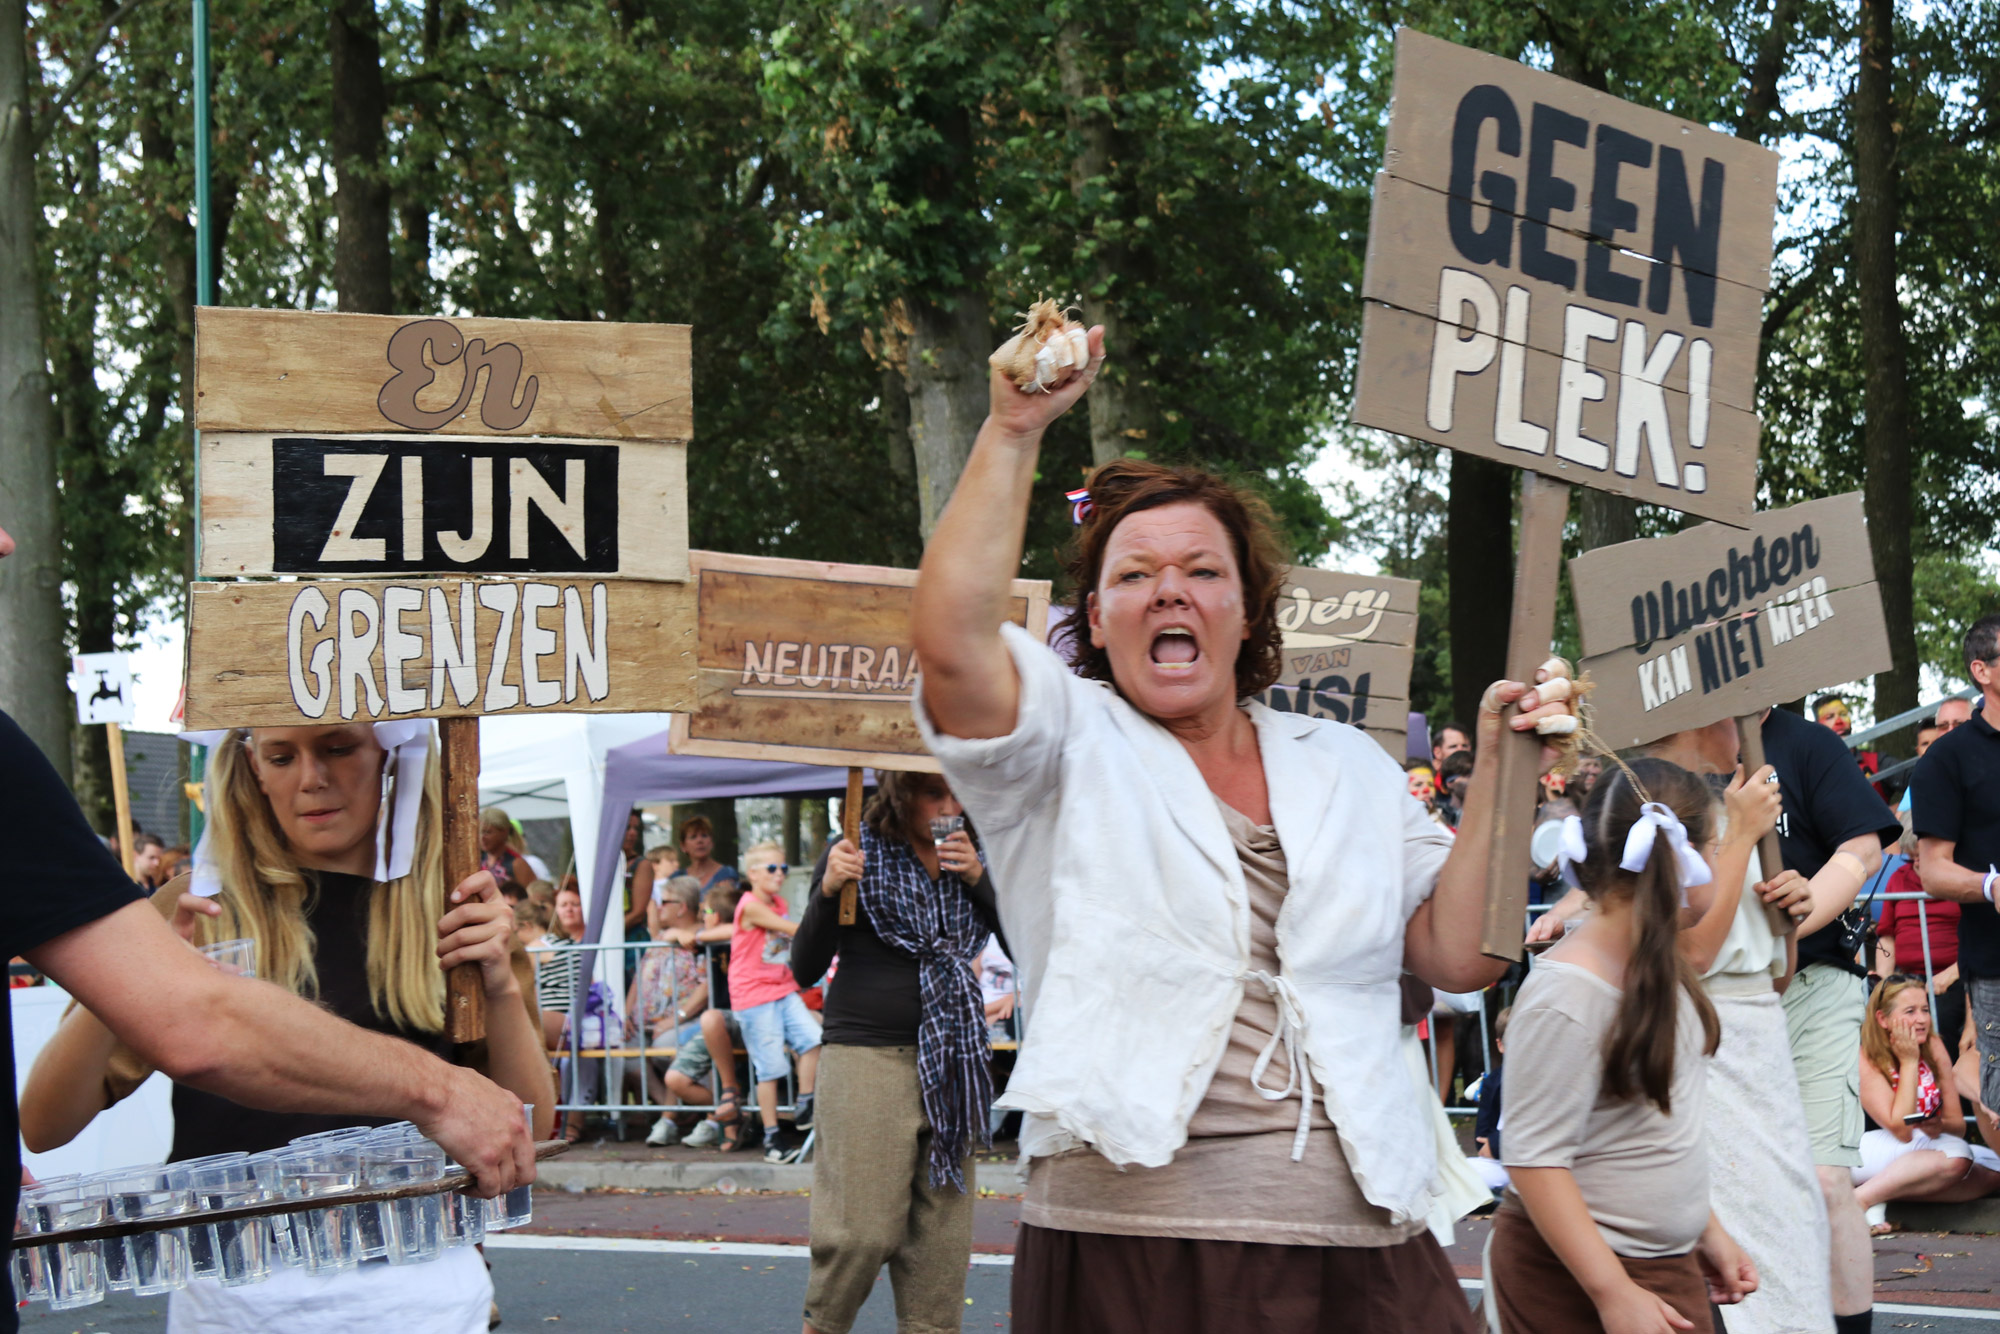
x=1124, y=901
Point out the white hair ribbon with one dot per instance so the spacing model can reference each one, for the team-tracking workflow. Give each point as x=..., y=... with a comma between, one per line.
x=406, y=745
x=1655, y=818
x=1572, y=850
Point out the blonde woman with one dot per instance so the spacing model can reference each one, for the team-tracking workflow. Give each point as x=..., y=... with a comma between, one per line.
x=502, y=850
x=323, y=848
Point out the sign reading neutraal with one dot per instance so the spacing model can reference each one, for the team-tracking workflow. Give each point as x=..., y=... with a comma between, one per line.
x=1349, y=641
x=812, y=662
x=1716, y=622
x=1566, y=282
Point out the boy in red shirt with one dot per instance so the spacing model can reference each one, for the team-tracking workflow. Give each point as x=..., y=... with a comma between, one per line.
x=765, y=998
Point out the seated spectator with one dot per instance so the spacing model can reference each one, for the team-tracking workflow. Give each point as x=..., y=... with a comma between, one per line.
x=695, y=1063
x=766, y=999
x=668, y=993
x=148, y=851
x=1900, y=945
x=501, y=846
x=1920, y=1151
x=1454, y=776
x=1486, y=1129
x=514, y=892
x=543, y=892
x=1423, y=782
x=531, y=922
x=174, y=862
x=556, y=970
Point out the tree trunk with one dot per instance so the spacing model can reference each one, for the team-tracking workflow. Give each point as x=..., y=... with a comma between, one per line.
x=1604, y=519
x=32, y=657
x=1885, y=392
x=1123, y=412
x=947, y=383
x=361, y=269
x=1773, y=54
x=1479, y=566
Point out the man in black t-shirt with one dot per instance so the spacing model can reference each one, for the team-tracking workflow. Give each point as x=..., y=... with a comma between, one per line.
x=67, y=905
x=1832, y=832
x=1955, y=806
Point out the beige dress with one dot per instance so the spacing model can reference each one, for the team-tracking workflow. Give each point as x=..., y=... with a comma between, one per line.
x=1234, y=1179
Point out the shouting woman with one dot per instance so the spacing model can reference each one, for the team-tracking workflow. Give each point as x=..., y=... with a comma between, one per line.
x=1211, y=904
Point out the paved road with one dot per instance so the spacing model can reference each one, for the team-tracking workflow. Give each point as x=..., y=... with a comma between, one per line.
x=645, y=1285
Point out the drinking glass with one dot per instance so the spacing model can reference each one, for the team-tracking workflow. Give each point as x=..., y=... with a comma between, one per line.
x=75, y=1270
x=157, y=1261
x=517, y=1207
x=233, y=956
x=944, y=826
x=241, y=1250
x=371, y=1235
x=464, y=1219
x=325, y=1238
x=202, y=1259
x=415, y=1226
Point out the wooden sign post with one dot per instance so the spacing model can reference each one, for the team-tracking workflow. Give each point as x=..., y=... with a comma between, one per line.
x=1719, y=622
x=1349, y=645
x=813, y=663
x=481, y=516
x=1571, y=284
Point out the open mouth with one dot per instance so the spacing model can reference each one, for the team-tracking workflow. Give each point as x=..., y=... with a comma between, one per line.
x=1175, y=648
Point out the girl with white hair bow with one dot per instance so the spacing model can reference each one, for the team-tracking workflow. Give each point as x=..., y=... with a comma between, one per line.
x=323, y=847
x=1608, y=1225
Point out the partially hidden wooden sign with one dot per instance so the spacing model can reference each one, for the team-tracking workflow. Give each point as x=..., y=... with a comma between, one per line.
x=1566, y=282
x=1717, y=622
x=1349, y=643
x=812, y=662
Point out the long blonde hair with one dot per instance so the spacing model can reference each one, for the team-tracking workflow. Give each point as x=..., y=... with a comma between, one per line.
x=265, y=896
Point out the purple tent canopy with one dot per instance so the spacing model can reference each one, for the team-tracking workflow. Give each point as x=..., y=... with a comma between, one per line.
x=644, y=771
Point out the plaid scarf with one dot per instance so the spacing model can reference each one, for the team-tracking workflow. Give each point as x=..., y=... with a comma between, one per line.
x=936, y=922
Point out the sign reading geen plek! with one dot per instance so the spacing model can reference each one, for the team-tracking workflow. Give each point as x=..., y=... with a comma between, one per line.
x=812, y=662
x=1716, y=622
x=1566, y=282
x=1349, y=642
x=366, y=452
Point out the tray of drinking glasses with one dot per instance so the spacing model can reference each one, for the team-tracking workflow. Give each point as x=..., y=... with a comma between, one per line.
x=454, y=1178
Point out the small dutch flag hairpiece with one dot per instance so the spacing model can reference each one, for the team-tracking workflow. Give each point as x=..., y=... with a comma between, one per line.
x=1080, y=507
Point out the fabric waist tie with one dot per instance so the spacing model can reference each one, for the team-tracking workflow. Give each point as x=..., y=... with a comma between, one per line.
x=1291, y=1034
x=1739, y=984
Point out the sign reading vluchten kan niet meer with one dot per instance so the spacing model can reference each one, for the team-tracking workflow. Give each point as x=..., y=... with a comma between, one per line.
x=1717, y=622
x=1566, y=282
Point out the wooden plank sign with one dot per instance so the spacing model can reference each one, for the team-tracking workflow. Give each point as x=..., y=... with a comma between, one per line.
x=1350, y=641
x=1717, y=622
x=320, y=651
x=812, y=662
x=1566, y=282
x=368, y=451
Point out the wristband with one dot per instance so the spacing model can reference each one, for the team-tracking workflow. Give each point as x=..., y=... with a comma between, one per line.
x=1986, y=886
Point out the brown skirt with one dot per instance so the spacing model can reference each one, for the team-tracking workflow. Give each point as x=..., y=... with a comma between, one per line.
x=1533, y=1291
x=1100, y=1283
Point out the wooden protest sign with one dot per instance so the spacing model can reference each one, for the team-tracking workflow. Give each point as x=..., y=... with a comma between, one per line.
x=1566, y=282
x=1349, y=644
x=368, y=451
x=1717, y=622
x=264, y=654
x=1570, y=284
x=812, y=662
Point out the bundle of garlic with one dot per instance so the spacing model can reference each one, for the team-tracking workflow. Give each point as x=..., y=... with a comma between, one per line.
x=1043, y=348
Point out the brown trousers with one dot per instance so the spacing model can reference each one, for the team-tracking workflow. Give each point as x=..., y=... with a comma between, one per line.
x=872, y=1201
x=1533, y=1291
x=1101, y=1283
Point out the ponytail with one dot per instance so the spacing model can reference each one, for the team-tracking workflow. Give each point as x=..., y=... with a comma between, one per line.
x=1639, y=1051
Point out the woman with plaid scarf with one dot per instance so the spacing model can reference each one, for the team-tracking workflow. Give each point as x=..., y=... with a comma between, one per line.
x=903, y=1082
